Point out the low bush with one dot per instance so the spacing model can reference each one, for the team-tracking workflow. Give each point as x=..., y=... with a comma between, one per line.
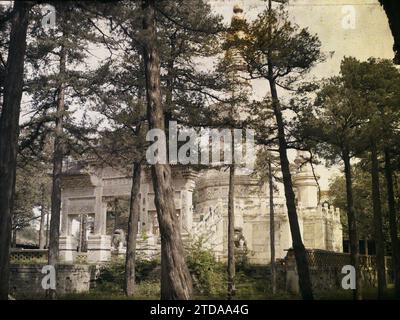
x=209, y=275
x=111, y=276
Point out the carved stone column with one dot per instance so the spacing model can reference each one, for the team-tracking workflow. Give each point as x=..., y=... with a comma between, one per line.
x=64, y=217
x=68, y=246
x=99, y=244
x=285, y=237
x=67, y=243
x=100, y=218
x=99, y=248
x=187, y=200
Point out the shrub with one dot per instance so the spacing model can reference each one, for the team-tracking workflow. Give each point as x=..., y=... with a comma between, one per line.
x=209, y=276
x=111, y=276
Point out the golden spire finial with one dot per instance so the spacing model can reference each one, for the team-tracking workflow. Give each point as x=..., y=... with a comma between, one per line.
x=235, y=34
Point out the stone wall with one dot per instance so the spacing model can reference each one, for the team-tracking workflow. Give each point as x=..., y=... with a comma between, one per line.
x=26, y=279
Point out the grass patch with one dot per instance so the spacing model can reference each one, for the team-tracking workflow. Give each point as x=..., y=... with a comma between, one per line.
x=367, y=293
x=145, y=290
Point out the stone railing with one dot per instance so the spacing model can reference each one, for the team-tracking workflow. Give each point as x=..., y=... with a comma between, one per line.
x=38, y=256
x=326, y=266
x=326, y=259
x=81, y=258
x=28, y=256
x=205, y=228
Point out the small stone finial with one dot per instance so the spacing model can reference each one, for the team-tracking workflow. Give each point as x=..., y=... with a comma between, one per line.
x=237, y=9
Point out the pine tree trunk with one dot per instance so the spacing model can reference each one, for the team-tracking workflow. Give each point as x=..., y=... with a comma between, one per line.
x=42, y=236
x=14, y=230
x=134, y=211
x=9, y=132
x=378, y=230
x=298, y=246
x=351, y=220
x=169, y=91
x=47, y=229
x=272, y=226
x=57, y=171
x=14, y=239
x=393, y=223
x=83, y=246
x=80, y=233
x=231, y=231
x=176, y=282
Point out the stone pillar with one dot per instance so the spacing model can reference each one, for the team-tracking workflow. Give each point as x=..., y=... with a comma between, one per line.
x=239, y=213
x=68, y=246
x=285, y=237
x=338, y=232
x=219, y=237
x=100, y=218
x=144, y=214
x=99, y=248
x=64, y=218
x=187, y=200
x=292, y=277
x=99, y=244
x=187, y=210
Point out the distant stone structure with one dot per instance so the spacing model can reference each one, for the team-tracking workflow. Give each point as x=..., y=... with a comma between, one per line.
x=201, y=201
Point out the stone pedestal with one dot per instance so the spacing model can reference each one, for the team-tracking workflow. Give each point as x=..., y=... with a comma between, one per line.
x=99, y=248
x=68, y=247
x=187, y=199
x=292, y=277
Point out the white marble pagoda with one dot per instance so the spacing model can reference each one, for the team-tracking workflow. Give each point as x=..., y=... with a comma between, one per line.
x=91, y=190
